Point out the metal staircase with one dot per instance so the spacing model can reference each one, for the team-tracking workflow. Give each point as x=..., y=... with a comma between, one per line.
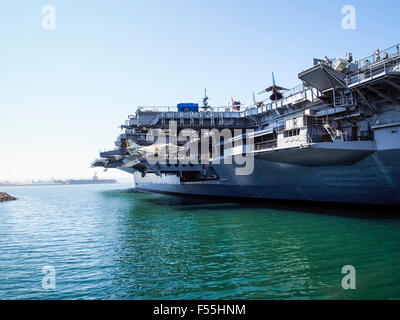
x=330, y=129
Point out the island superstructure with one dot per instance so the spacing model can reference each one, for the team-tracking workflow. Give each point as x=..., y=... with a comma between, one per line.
x=333, y=138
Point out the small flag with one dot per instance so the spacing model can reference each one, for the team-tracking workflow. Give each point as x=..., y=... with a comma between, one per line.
x=236, y=105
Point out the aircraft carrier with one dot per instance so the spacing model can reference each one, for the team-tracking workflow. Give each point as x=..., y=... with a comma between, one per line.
x=333, y=138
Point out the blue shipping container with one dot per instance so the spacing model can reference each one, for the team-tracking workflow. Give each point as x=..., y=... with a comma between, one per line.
x=188, y=107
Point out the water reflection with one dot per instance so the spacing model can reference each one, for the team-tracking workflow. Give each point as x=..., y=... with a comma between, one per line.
x=335, y=209
x=196, y=248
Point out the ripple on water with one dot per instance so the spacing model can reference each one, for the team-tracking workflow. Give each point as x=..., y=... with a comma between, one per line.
x=120, y=245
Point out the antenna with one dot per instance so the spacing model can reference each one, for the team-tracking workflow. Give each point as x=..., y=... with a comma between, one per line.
x=205, y=100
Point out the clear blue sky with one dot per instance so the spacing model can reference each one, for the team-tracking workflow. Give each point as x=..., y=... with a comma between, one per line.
x=64, y=92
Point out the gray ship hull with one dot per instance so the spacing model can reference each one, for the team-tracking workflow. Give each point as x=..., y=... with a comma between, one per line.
x=334, y=138
x=373, y=180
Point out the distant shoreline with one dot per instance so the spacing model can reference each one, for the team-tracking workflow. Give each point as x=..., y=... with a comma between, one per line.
x=54, y=184
x=59, y=183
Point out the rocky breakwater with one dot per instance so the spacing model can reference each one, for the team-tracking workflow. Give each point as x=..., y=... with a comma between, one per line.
x=6, y=197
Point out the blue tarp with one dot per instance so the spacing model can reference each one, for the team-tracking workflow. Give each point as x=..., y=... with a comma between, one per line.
x=188, y=107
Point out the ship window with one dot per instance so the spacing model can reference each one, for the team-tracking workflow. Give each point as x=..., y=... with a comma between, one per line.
x=291, y=133
x=263, y=138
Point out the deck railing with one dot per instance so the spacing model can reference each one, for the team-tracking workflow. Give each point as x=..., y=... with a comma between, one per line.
x=392, y=51
x=267, y=105
x=391, y=64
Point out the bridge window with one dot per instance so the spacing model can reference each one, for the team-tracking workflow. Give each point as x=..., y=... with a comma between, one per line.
x=291, y=133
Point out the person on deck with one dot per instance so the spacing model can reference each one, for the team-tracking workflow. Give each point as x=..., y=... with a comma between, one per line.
x=385, y=56
x=377, y=55
x=349, y=58
x=327, y=61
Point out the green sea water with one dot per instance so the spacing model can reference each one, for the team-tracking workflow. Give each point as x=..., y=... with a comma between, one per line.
x=107, y=242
